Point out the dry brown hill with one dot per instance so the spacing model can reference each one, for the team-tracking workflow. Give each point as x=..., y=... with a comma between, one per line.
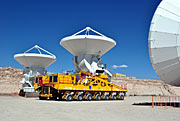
x=10, y=80
x=147, y=87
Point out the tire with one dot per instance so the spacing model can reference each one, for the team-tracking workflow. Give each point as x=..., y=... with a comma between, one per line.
x=106, y=97
x=98, y=97
x=42, y=98
x=55, y=96
x=22, y=93
x=69, y=97
x=114, y=97
x=60, y=96
x=79, y=97
x=121, y=97
x=89, y=97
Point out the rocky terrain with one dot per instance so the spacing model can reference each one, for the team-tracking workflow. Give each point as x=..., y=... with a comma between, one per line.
x=147, y=87
x=10, y=80
x=10, y=83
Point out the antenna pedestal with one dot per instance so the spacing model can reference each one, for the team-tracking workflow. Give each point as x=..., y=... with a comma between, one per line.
x=28, y=79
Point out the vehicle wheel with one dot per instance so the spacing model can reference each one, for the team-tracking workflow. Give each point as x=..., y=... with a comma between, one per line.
x=51, y=98
x=121, y=97
x=42, y=98
x=69, y=97
x=106, y=97
x=79, y=97
x=98, y=97
x=89, y=97
x=114, y=97
x=59, y=96
x=21, y=93
x=55, y=96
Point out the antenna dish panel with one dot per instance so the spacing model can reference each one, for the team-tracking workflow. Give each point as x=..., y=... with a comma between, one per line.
x=87, y=44
x=164, y=41
x=35, y=59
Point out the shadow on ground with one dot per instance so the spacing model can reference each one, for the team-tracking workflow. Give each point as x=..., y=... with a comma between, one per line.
x=173, y=104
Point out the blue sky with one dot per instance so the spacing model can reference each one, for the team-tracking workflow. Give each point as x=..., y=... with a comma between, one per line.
x=26, y=23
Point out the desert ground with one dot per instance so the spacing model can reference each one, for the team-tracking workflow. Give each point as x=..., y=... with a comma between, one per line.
x=32, y=109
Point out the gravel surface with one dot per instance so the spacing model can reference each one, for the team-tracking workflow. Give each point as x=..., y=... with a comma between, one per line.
x=33, y=109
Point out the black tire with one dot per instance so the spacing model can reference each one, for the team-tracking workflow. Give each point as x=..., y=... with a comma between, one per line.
x=22, y=93
x=89, y=97
x=121, y=97
x=79, y=97
x=42, y=98
x=98, y=97
x=55, y=96
x=60, y=96
x=114, y=97
x=69, y=97
x=106, y=97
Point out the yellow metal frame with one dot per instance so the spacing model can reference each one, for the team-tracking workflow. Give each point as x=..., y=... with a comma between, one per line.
x=87, y=83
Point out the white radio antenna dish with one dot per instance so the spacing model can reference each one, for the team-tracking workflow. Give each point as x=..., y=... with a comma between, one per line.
x=35, y=64
x=164, y=41
x=87, y=49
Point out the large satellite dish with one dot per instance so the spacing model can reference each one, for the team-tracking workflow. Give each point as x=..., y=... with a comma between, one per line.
x=35, y=64
x=88, y=49
x=164, y=41
x=87, y=44
x=35, y=59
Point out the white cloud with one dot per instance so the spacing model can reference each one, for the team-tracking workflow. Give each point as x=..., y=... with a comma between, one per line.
x=119, y=66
